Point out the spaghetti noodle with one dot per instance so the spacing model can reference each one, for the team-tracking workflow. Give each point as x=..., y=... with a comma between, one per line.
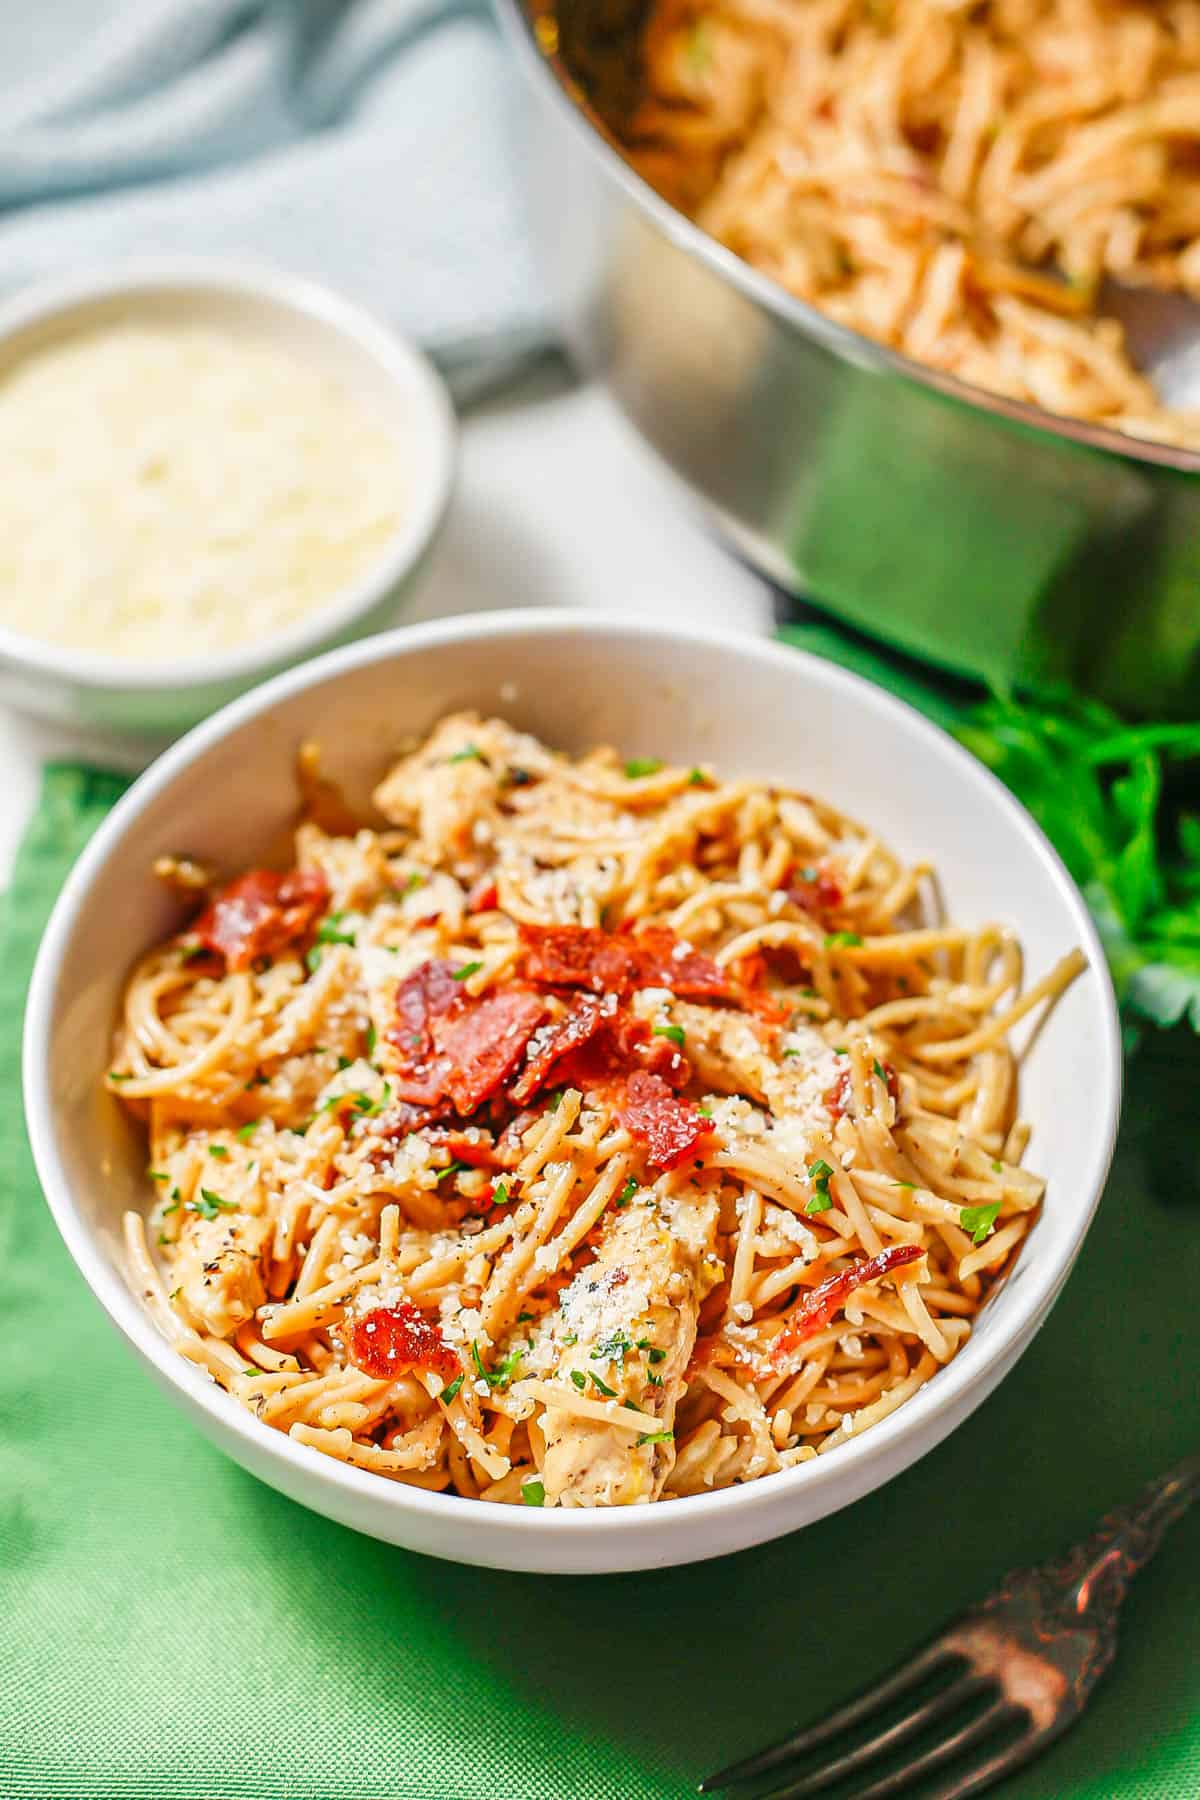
x=595, y=1133
x=955, y=178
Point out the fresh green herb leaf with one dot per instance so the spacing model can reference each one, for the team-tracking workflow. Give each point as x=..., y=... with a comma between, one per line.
x=174, y=1294
x=218, y=1150
x=467, y=970
x=704, y=1111
x=524, y=1318
x=329, y=931
x=372, y=1040
x=533, y=1493
x=637, y=766
x=997, y=1168
x=905, y=1184
x=158, y=1175
x=979, y=1221
x=163, y=1238
x=656, y=1437
x=654, y=1380
x=819, y=1173
x=246, y=1132
x=656, y=1356
x=468, y=753
x=842, y=940
x=312, y=958
x=674, y=1032
x=601, y=1387
x=452, y=1168
x=210, y=1204
x=447, y=1394
x=788, y=1053
x=250, y=1370
x=697, y=778
x=627, y=1192
x=579, y=1379
x=415, y=880
x=572, y=1337
x=612, y=1349
x=880, y=1070
x=500, y=1198
x=113, y=1076
x=345, y=1062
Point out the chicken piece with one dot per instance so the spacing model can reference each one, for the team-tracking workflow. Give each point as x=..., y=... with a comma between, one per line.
x=449, y=789
x=632, y=1315
x=727, y=1049
x=219, y=1268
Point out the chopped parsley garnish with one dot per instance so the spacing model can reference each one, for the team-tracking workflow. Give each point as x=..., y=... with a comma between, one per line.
x=524, y=1318
x=553, y=1099
x=612, y=1349
x=579, y=1379
x=447, y=1394
x=500, y=1197
x=842, y=940
x=627, y=1192
x=468, y=753
x=601, y=1386
x=247, y=1131
x=345, y=1062
x=113, y=1076
x=656, y=1437
x=655, y=1380
x=819, y=1173
x=250, y=1371
x=905, y=1184
x=533, y=1493
x=788, y=1053
x=163, y=1238
x=656, y=1356
x=979, y=1221
x=674, y=1032
x=704, y=1111
x=210, y=1204
x=158, y=1175
x=329, y=931
x=372, y=1040
x=638, y=766
x=467, y=970
x=312, y=958
x=415, y=880
x=452, y=1168
x=572, y=1337
x=880, y=1071
x=997, y=1168
x=697, y=778
x=219, y=1150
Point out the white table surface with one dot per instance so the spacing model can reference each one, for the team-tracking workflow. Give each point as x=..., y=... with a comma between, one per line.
x=558, y=504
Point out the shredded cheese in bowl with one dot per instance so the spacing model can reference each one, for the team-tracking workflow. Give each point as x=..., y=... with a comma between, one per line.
x=174, y=490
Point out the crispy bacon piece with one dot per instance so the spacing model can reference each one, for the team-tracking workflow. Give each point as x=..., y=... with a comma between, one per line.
x=815, y=893
x=390, y=1340
x=402, y=1117
x=423, y=996
x=607, y=962
x=817, y=1308
x=260, y=913
x=580, y=1023
x=480, y=1044
x=670, y=1128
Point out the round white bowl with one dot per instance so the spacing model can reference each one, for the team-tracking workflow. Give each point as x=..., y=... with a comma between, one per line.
x=395, y=384
x=750, y=708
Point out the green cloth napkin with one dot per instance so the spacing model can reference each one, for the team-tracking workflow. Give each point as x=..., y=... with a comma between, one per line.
x=171, y=1628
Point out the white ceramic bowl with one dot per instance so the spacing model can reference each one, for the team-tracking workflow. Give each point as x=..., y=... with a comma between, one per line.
x=750, y=708
x=153, y=701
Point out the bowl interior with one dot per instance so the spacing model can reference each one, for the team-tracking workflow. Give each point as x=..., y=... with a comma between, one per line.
x=226, y=795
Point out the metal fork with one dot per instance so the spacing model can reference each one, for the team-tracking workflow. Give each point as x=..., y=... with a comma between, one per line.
x=1034, y=1650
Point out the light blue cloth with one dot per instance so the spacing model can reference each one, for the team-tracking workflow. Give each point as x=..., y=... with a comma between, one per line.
x=366, y=142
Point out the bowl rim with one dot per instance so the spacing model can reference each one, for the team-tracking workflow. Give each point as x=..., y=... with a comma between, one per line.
x=519, y=1527
x=406, y=368
x=520, y=17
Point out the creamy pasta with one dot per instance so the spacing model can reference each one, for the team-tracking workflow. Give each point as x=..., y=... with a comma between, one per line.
x=590, y=1132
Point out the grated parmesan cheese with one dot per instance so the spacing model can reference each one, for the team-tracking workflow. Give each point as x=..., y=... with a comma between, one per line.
x=181, y=490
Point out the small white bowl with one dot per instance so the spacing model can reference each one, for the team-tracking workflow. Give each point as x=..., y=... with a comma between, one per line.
x=748, y=707
x=130, y=700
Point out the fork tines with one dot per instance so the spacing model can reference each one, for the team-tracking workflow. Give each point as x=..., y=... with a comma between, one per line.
x=839, y=1765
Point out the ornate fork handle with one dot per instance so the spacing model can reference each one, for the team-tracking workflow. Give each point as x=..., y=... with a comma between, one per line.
x=1097, y=1572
